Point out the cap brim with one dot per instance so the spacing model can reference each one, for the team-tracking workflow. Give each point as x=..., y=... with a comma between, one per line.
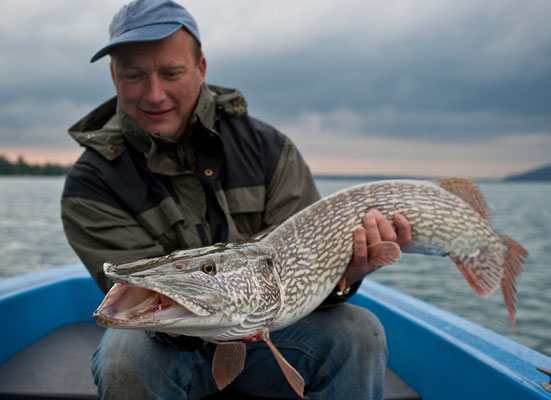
x=147, y=33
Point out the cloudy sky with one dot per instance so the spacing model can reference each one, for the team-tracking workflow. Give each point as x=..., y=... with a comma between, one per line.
x=424, y=87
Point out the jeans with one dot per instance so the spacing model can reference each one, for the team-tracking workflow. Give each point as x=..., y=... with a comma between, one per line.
x=340, y=351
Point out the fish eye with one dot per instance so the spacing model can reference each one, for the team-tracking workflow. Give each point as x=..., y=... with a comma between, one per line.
x=209, y=268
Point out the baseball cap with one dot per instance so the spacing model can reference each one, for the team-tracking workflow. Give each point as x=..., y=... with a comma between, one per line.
x=145, y=21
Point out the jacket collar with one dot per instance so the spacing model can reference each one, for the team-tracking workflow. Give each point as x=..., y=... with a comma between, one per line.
x=108, y=130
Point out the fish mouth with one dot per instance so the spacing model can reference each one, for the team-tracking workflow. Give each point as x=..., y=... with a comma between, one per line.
x=128, y=306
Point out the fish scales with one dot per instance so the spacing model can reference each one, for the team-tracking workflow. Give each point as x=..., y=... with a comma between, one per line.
x=432, y=212
x=239, y=292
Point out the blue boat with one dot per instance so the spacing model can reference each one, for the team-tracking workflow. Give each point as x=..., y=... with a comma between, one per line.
x=48, y=337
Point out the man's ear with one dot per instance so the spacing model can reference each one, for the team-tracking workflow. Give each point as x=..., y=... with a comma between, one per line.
x=112, y=69
x=203, y=68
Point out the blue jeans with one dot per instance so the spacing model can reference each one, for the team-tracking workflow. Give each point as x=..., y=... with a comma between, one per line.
x=340, y=351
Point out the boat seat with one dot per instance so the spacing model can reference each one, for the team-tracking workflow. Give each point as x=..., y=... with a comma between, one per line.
x=58, y=367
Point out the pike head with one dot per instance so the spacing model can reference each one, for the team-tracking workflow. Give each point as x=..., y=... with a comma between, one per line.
x=221, y=292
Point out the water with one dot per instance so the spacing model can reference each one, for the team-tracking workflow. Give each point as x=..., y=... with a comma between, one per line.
x=31, y=235
x=31, y=239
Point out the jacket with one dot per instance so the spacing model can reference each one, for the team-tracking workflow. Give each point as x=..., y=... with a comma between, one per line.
x=133, y=194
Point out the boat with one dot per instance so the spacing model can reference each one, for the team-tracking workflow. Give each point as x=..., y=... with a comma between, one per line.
x=48, y=337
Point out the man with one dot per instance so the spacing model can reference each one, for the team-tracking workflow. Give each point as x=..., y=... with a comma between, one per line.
x=173, y=163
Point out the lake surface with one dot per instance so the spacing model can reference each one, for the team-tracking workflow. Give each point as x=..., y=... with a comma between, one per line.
x=32, y=239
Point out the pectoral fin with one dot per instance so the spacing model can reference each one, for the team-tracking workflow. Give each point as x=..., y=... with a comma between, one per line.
x=293, y=377
x=228, y=362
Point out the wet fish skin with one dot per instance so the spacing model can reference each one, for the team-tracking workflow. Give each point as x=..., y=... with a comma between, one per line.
x=226, y=304
x=273, y=281
x=447, y=217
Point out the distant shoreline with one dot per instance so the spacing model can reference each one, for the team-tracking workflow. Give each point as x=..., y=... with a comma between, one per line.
x=385, y=177
x=363, y=178
x=22, y=168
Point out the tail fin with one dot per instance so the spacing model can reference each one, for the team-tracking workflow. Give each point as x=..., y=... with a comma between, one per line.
x=513, y=267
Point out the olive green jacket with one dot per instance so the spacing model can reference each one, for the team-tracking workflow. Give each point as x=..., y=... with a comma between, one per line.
x=133, y=194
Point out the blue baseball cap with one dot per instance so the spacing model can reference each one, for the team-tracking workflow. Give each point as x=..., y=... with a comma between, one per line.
x=146, y=21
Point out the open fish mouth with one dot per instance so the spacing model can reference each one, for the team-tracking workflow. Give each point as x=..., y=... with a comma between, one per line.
x=135, y=307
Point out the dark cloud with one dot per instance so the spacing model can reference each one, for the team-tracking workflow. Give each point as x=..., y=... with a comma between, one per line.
x=427, y=70
x=414, y=84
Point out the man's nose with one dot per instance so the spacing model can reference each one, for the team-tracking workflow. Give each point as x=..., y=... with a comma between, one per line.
x=155, y=92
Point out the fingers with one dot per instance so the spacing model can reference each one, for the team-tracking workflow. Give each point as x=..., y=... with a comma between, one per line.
x=372, y=233
x=359, y=265
x=360, y=246
x=378, y=227
x=403, y=230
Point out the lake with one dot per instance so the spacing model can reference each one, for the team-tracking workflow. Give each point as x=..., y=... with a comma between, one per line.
x=32, y=239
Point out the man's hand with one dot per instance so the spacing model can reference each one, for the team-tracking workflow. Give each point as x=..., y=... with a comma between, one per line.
x=376, y=228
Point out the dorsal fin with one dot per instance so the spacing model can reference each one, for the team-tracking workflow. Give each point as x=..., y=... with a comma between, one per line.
x=469, y=192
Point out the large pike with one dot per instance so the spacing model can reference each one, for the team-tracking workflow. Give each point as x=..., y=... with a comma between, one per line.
x=235, y=293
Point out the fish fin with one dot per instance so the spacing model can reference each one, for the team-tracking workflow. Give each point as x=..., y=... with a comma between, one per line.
x=228, y=362
x=482, y=270
x=384, y=253
x=293, y=377
x=513, y=267
x=467, y=190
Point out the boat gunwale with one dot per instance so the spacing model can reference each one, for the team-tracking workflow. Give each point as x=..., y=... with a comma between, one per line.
x=513, y=364
x=490, y=365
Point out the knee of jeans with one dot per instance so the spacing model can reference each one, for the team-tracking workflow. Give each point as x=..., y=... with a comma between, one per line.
x=119, y=362
x=351, y=341
x=361, y=333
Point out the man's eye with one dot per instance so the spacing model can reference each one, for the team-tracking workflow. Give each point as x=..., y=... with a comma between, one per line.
x=171, y=75
x=132, y=77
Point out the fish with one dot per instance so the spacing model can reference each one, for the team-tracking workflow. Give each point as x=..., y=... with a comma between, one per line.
x=234, y=293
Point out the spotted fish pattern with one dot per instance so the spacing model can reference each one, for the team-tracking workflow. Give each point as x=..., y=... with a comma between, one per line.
x=448, y=218
x=234, y=293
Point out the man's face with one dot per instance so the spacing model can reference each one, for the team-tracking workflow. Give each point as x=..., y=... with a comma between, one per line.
x=158, y=83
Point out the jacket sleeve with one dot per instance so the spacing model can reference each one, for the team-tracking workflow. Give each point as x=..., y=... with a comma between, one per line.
x=291, y=189
x=99, y=233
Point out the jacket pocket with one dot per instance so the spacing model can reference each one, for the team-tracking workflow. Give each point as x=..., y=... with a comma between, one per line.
x=246, y=206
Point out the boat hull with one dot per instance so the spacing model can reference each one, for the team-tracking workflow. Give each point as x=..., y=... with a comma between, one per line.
x=438, y=354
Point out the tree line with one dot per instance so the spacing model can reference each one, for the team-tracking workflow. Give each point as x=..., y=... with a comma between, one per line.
x=21, y=167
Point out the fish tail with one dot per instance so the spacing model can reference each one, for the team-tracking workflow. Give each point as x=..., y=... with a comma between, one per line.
x=486, y=270
x=512, y=268
x=483, y=270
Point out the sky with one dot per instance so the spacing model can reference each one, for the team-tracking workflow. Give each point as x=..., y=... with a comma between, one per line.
x=422, y=88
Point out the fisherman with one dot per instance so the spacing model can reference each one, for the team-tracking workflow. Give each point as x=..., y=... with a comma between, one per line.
x=173, y=163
